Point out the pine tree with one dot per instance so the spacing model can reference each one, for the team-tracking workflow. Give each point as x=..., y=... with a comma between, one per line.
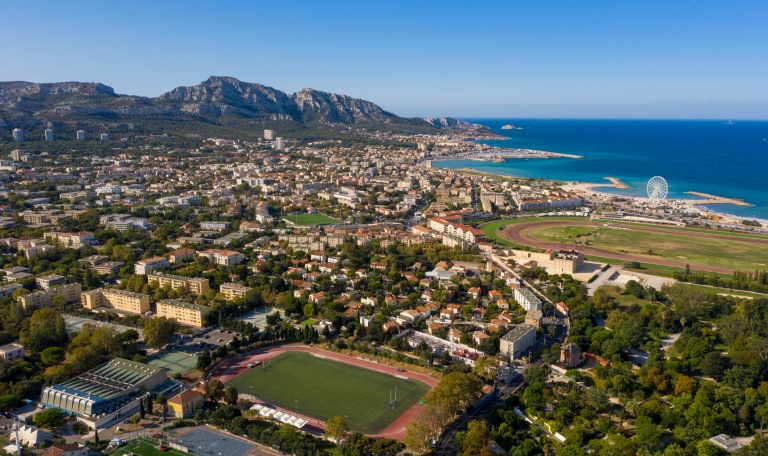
x=96, y=437
x=142, y=412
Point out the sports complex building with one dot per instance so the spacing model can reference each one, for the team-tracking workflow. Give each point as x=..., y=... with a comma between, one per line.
x=107, y=393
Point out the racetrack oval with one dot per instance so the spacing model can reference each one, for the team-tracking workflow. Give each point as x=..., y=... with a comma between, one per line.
x=522, y=234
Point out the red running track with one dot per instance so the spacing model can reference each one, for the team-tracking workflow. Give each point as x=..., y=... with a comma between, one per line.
x=395, y=430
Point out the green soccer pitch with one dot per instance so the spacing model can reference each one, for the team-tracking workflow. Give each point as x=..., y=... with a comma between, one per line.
x=311, y=219
x=141, y=447
x=322, y=388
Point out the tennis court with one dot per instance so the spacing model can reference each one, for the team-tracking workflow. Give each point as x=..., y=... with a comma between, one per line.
x=174, y=361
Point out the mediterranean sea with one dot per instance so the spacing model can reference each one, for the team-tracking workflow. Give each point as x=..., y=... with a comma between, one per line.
x=723, y=158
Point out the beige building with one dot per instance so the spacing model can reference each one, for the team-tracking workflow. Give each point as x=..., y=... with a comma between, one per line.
x=515, y=344
x=223, y=257
x=184, y=404
x=183, y=312
x=554, y=261
x=70, y=293
x=193, y=284
x=181, y=255
x=233, y=291
x=71, y=240
x=113, y=298
x=150, y=265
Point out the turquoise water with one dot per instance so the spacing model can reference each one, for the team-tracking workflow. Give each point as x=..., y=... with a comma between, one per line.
x=717, y=157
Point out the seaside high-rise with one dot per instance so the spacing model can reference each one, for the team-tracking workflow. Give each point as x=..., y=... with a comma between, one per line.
x=104, y=137
x=18, y=135
x=48, y=134
x=80, y=135
x=269, y=135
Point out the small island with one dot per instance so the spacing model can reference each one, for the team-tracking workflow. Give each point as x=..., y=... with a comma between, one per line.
x=510, y=127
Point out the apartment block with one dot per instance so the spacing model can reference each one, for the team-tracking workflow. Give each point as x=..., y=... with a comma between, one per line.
x=73, y=240
x=223, y=257
x=149, y=265
x=183, y=312
x=70, y=293
x=113, y=298
x=49, y=281
x=193, y=284
x=214, y=226
x=516, y=343
x=233, y=291
x=527, y=299
x=181, y=255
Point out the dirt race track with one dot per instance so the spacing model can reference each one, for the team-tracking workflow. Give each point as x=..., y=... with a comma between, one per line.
x=396, y=429
x=521, y=234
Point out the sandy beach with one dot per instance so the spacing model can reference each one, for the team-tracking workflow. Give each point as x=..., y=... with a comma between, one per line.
x=617, y=183
x=714, y=199
x=614, y=182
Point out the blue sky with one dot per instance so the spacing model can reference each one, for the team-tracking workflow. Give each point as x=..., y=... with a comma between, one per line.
x=629, y=59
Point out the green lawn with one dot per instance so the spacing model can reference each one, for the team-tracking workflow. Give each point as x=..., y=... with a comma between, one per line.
x=311, y=219
x=323, y=388
x=142, y=447
x=728, y=253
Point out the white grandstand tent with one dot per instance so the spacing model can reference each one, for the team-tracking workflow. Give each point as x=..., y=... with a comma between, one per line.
x=283, y=417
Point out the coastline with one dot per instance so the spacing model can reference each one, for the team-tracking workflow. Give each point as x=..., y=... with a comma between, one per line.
x=501, y=154
x=699, y=204
x=703, y=202
x=694, y=205
x=476, y=172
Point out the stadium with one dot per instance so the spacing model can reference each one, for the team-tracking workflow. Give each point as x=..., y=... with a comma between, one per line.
x=307, y=386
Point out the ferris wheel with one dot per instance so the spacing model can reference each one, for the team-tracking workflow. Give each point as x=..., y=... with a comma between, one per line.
x=657, y=189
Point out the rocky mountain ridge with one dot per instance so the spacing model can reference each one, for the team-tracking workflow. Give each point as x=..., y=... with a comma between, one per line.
x=219, y=100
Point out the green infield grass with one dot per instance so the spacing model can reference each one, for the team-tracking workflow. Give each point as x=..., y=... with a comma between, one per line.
x=729, y=252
